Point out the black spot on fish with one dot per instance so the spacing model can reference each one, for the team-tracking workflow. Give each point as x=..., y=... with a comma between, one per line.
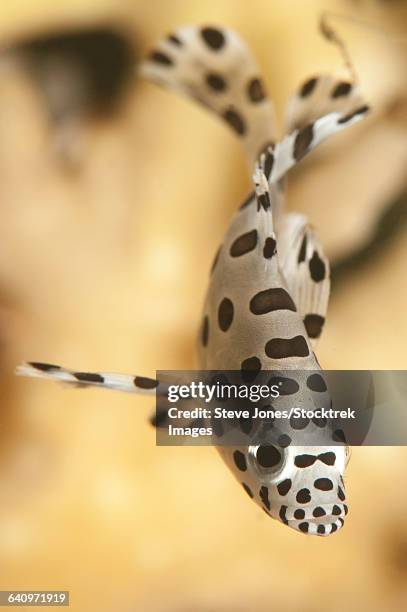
x=314, y=324
x=264, y=496
x=319, y=421
x=250, y=368
x=89, y=377
x=303, y=250
x=317, y=268
x=235, y=120
x=284, y=440
x=214, y=38
x=339, y=436
x=174, y=40
x=327, y=458
x=161, y=58
x=255, y=90
x=240, y=460
x=263, y=201
x=360, y=111
x=271, y=300
x=282, y=348
x=248, y=490
x=215, y=81
x=44, y=367
x=341, y=89
x=145, y=383
x=304, y=461
x=303, y=141
x=324, y=484
x=268, y=163
x=303, y=496
x=308, y=87
x=225, y=314
x=244, y=244
x=282, y=514
x=284, y=486
x=269, y=248
x=316, y=383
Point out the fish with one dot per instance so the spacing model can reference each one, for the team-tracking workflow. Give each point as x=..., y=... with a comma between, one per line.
x=269, y=284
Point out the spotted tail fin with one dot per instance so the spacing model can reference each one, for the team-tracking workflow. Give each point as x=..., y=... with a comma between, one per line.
x=106, y=380
x=214, y=66
x=294, y=147
x=319, y=96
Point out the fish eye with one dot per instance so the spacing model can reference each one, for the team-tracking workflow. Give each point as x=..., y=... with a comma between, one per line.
x=267, y=458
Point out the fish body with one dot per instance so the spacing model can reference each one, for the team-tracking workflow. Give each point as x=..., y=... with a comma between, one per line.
x=252, y=324
x=268, y=291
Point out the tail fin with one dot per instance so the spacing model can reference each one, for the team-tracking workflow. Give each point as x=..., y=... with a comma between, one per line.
x=294, y=147
x=213, y=66
x=106, y=380
x=321, y=95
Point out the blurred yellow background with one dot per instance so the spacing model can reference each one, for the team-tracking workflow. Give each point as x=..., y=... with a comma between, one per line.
x=103, y=265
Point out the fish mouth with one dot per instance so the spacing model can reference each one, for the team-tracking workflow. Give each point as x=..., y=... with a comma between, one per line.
x=319, y=520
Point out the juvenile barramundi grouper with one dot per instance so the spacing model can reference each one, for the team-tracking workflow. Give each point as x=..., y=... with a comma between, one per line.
x=269, y=284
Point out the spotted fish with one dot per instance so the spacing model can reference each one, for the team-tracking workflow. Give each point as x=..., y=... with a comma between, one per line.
x=268, y=291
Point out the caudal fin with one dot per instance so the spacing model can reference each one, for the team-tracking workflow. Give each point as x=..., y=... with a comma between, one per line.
x=213, y=66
